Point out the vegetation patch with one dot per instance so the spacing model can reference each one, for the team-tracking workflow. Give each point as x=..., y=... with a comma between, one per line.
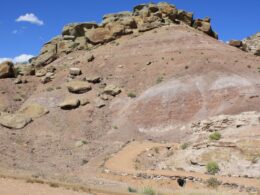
x=184, y=146
x=149, y=191
x=131, y=95
x=132, y=190
x=212, y=168
x=215, y=136
x=213, y=182
x=159, y=79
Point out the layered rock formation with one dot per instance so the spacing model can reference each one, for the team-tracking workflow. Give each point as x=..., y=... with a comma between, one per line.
x=250, y=44
x=145, y=17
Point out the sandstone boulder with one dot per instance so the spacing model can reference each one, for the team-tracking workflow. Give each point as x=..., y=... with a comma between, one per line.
x=93, y=79
x=112, y=90
x=45, y=79
x=81, y=43
x=48, y=53
x=40, y=73
x=66, y=46
x=26, y=69
x=99, y=35
x=78, y=87
x=186, y=17
x=235, y=43
x=78, y=29
x=70, y=103
x=205, y=27
x=33, y=111
x=75, y=71
x=14, y=121
x=7, y=70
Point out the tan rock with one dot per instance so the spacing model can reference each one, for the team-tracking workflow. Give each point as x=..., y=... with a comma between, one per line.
x=78, y=87
x=70, y=103
x=7, y=70
x=84, y=101
x=14, y=121
x=112, y=90
x=78, y=29
x=33, y=111
x=235, y=43
x=93, y=79
x=75, y=71
x=99, y=35
x=186, y=17
x=26, y=70
x=41, y=73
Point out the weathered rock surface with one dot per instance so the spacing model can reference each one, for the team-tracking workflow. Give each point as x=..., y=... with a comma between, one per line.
x=93, y=79
x=112, y=90
x=70, y=103
x=14, y=121
x=25, y=69
x=236, y=43
x=33, y=111
x=78, y=87
x=75, y=71
x=78, y=29
x=7, y=70
x=252, y=44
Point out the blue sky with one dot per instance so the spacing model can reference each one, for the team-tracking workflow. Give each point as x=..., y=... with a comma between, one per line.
x=232, y=19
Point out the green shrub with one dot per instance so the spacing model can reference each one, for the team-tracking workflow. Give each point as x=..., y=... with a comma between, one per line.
x=213, y=182
x=132, y=190
x=215, y=136
x=159, y=80
x=131, y=95
x=184, y=146
x=212, y=168
x=149, y=191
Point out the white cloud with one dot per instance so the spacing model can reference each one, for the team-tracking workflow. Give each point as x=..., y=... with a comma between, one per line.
x=30, y=17
x=18, y=59
x=5, y=59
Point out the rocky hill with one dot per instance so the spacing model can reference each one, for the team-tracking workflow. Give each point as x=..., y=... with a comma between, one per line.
x=85, y=36
x=153, y=74
x=250, y=44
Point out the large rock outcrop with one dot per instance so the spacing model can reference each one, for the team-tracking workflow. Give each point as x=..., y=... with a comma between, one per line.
x=250, y=44
x=7, y=70
x=145, y=17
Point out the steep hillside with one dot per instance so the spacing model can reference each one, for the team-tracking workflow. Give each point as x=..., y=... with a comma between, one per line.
x=88, y=104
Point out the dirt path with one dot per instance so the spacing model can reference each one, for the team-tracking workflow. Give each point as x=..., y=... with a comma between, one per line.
x=124, y=162
x=18, y=187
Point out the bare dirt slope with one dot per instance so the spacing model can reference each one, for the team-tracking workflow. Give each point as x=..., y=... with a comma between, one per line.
x=178, y=74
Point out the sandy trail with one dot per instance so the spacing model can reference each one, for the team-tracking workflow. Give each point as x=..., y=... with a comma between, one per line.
x=18, y=187
x=124, y=162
